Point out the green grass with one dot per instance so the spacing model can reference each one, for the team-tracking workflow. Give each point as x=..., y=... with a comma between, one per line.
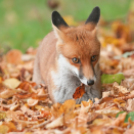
x=24, y=23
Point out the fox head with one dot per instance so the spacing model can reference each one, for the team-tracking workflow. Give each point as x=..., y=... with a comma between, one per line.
x=78, y=48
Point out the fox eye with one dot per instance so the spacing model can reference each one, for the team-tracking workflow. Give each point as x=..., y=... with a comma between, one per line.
x=75, y=60
x=93, y=58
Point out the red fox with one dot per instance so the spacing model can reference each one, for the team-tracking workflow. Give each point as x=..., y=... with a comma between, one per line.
x=68, y=57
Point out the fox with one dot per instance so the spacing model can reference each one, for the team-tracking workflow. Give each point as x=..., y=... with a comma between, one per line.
x=68, y=57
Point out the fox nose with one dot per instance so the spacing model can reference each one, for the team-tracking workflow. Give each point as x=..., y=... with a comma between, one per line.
x=90, y=82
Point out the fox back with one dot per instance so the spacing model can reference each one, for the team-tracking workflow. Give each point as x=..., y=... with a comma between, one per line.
x=69, y=56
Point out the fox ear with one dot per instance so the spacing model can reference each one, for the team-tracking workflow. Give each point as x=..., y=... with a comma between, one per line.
x=57, y=20
x=93, y=17
x=58, y=24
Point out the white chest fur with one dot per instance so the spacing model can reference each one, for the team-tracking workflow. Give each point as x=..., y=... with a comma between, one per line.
x=65, y=80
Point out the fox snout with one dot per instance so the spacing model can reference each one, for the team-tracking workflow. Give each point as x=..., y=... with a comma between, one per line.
x=87, y=75
x=90, y=82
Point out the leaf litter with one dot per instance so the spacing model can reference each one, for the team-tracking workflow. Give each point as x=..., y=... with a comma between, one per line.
x=25, y=108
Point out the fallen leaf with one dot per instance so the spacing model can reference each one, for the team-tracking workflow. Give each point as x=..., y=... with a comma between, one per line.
x=121, y=89
x=130, y=130
x=11, y=126
x=14, y=107
x=4, y=129
x=56, y=123
x=82, y=118
x=129, y=115
x=101, y=122
x=11, y=83
x=106, y=78
x=57, y=110
x=120, y=119
x=130, y=105
x=25, y=86
x=87, y=103
x=32, y=102
x=14, y=56
x=79, y=92
x=2, y=115
x=7, y=94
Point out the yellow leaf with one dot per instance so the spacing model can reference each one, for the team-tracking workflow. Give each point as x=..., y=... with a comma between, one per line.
x=57, y=110
x=39, y=107
x=3, y=129
x=2, y=115
x=11, y=83
x=69, y=105
x=70, y=20
x=87, y=103
x=77, y=106
x=28, y=133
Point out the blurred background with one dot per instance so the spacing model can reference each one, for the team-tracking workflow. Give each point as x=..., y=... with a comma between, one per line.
x=24, y=23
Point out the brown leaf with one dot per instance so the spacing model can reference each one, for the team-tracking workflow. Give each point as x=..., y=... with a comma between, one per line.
x=56, y=123
x=26, y=86
x=130, y=105
x=14, y=56
x=119, y=120
x=7, y=94
x=79, y=92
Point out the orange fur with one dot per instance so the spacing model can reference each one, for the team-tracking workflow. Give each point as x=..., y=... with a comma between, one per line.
x=81, y=43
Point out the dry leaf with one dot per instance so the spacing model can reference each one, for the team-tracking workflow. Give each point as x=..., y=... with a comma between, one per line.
x=7, y=94
x=14, y=56
x=79, y=92
x=11, y=83
x=130, y=105
x=32, y=102
x=56, y=123
x=120, y=120
x=4, y=129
